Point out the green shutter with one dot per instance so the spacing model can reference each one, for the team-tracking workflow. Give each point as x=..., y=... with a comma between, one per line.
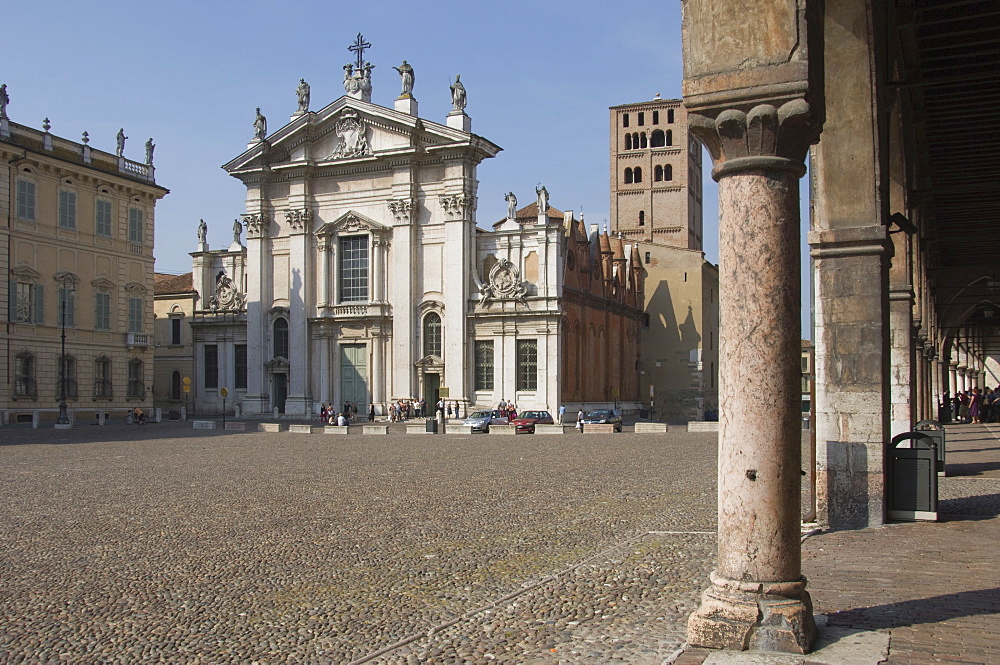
x=39, y=303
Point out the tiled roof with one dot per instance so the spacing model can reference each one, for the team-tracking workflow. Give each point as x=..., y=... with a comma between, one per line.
x=163, y=283
x=530, y=212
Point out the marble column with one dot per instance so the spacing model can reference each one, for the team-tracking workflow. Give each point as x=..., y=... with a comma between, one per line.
x=758, y=598
x=953, y=376
x=258, y=224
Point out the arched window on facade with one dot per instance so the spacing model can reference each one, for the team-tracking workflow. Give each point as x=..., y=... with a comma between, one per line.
x=668, y=172
x=280, y=338
x=628, y=141
x=628, y=176
x=642, y=140
x=175, y=385
x=642, y=218
x=637, y=174
x=657, y=173
x=658, y=139
x=670, y=137
x=432, y=335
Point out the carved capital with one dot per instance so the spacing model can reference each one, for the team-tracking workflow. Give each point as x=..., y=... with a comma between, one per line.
x=457, y=206
x=257, y=224
x=765, y=137
x=402, y=209
x=298, y=219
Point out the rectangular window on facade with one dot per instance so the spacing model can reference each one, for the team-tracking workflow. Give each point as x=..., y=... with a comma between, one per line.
x=642, y=119
x=354, y=269
x=484, y=365
x=102, y=224
x=67, y=210
x=136, y=382
x=135, y=225
x=527, y=364
x=102, y=378
x=175, y=331
x=24, y=375
x=67, y=307
x=69, y=382
x=26, y=200
x=211, y=366
x=135, y=315
x=27, y=302
x=240, y=363
x=102, y=311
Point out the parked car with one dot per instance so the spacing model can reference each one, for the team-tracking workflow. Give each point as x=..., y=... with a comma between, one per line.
x=526, y=421
x=480, y=421
x=604, y=417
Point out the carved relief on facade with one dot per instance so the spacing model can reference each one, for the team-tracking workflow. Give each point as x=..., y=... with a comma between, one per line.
x=504, y=283
x=226, y=296
x=67, y=280
x=352, y=131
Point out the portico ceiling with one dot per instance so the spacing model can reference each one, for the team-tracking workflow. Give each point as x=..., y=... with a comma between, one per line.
x=950, y=92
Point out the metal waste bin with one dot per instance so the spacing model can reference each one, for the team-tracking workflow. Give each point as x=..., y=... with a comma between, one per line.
x=431, y=425
x=913, y=481
x=935, y=430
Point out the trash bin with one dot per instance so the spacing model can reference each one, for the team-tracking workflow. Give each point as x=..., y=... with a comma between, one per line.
x=935, y=430
x=913, y=486
x=431, y=425
x=944, y=413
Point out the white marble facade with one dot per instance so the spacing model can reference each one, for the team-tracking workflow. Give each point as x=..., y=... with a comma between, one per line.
x=366, y=279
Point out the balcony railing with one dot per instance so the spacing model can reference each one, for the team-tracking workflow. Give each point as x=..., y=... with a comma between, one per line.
x=137, y=339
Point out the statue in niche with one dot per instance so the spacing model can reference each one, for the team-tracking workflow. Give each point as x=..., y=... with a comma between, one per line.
x=120, y=141
x=150, y=146
x=202, y=231
x=351, y=130
x=406, y=75
x=543, y=199
x=511, y=205
x=302, y=92
x=458, y=94
x=259, y=126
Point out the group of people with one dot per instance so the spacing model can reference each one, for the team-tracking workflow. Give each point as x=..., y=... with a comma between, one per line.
x=507, y=409
x=342, y=418
x=975, y=406
x=405, y=409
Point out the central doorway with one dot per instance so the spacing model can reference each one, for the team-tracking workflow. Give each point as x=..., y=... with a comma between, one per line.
x=354, y=375
x=432, y=389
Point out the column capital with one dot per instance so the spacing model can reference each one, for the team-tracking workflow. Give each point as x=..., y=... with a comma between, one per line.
x=298, y=219
x=402, y=209
x=257, y=224
x=762, y=137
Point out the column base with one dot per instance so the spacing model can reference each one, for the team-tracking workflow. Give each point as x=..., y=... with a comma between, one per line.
x=762, y=616
x=254, y=405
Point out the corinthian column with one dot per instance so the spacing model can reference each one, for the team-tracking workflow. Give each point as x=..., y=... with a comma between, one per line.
x=753, y=110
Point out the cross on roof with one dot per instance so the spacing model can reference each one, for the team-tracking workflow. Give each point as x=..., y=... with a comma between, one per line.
x=359, y=47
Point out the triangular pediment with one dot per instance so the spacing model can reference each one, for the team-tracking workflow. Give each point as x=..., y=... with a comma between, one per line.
x=350, y=130
x=430, y=361
x=352, y=222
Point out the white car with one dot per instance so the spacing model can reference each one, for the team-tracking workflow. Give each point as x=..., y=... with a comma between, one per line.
x=480, y=421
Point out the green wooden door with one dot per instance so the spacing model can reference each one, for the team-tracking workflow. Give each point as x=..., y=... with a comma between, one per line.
x=354, y=375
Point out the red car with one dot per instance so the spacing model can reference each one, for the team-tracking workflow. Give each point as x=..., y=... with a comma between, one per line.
x=526, y=421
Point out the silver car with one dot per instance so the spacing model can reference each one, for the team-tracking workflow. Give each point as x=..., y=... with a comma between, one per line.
x=480, y=421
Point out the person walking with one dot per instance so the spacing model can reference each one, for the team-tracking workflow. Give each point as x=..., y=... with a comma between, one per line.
x=562, y=414
x=579, y=419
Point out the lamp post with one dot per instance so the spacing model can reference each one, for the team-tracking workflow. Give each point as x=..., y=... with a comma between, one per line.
x=63, y=419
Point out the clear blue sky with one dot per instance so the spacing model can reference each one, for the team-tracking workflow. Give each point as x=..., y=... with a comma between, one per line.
x=540, y=78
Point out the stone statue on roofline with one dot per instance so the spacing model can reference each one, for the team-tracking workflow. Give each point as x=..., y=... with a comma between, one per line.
x=4, y=100
x=407, y=78
x=202, y=231
x=302, y=92
x=543, y=199
x=259, y=126
x=237, y=230
x=120, y=141
x=511, y=205
x=150, y=146
x=458, y=99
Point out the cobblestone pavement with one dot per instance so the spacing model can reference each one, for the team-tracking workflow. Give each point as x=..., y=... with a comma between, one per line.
x=163, y=544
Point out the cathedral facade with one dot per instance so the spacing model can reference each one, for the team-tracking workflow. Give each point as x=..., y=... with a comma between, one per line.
x=365, y=279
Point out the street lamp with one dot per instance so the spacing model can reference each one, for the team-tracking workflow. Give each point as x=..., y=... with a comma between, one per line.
x=63, y=419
